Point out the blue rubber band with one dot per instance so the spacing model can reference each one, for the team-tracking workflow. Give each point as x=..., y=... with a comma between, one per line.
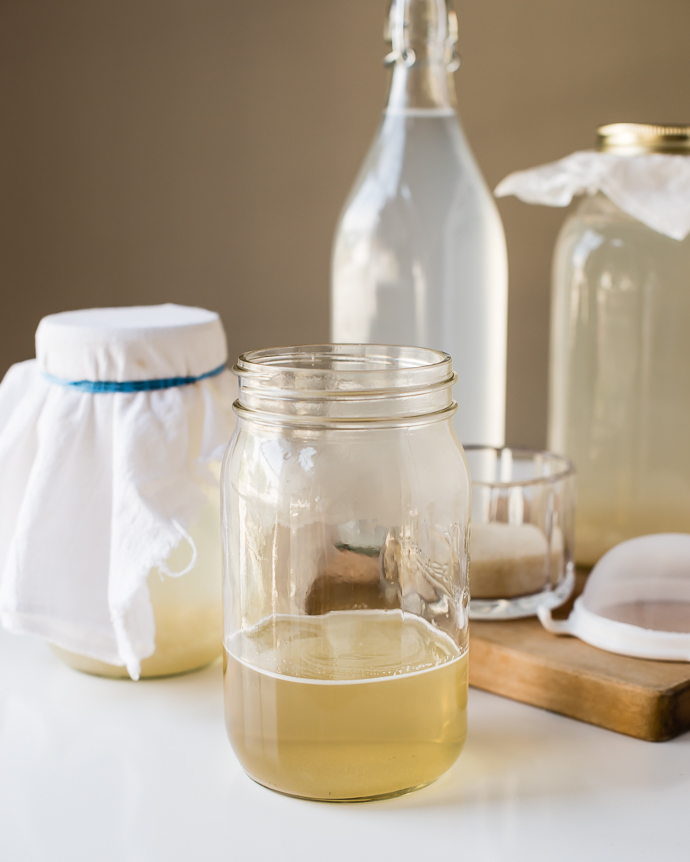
x=131, y=385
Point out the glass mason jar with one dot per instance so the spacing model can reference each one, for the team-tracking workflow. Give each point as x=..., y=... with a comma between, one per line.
x=346, y=501
x=620, y=388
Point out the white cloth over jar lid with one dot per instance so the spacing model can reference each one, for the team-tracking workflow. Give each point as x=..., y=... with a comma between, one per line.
x=98, y=488
x=653, y=188
x=636, y=600
x=141, y=343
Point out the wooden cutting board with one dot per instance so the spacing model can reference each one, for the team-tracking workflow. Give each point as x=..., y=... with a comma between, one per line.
x=520, y=660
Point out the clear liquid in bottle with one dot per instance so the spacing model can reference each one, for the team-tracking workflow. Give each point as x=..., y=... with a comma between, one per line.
x=419, y=254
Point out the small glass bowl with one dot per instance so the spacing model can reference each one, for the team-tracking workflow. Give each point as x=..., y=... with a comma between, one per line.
x=521, y=545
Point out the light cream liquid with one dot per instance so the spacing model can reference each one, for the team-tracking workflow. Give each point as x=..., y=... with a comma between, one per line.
x=599, y=528
x=620, y=390
x=187, y=609
x=187, y=638
x=348, y=705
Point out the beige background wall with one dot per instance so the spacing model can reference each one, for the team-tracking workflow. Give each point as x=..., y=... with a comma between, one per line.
x=199, y=151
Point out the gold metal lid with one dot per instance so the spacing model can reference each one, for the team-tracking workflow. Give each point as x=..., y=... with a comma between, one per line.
x=632, y=139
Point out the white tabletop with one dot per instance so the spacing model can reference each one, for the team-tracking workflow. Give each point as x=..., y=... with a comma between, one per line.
x=100, y=770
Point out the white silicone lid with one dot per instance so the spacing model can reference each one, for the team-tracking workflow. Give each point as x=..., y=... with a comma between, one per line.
x=636, y=601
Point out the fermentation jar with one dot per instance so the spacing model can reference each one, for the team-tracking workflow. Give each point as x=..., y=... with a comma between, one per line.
x=346, y=503
x=110, y=450
x=620, y=353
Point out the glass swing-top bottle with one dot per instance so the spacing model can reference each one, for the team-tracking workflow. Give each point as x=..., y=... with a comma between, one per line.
x=419, y=255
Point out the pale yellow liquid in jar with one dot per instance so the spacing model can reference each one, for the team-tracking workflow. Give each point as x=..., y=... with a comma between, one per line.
x=187, y=609
x=187, y=638
x=348, y=705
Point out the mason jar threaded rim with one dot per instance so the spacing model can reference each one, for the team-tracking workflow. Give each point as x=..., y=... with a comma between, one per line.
x=348, y=384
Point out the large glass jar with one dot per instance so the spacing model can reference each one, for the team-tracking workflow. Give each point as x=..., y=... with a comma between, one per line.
x=111, y=443
x=346, y=513
x=620, y=387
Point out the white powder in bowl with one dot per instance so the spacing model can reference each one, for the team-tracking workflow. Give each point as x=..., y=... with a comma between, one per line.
x=509, y=560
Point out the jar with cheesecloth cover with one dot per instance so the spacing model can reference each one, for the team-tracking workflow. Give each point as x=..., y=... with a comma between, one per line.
x=346, y=503
x=620, y=352
x=110, y=450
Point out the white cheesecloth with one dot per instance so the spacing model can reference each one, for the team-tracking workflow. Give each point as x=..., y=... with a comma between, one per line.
x=654, y=188
x=97, y=488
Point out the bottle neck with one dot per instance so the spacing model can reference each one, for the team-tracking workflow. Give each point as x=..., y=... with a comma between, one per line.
x=423, y=35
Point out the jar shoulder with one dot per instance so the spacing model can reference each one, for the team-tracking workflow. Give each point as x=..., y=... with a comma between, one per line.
x=596, y=213
x=427, y=461
x=598, y=236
